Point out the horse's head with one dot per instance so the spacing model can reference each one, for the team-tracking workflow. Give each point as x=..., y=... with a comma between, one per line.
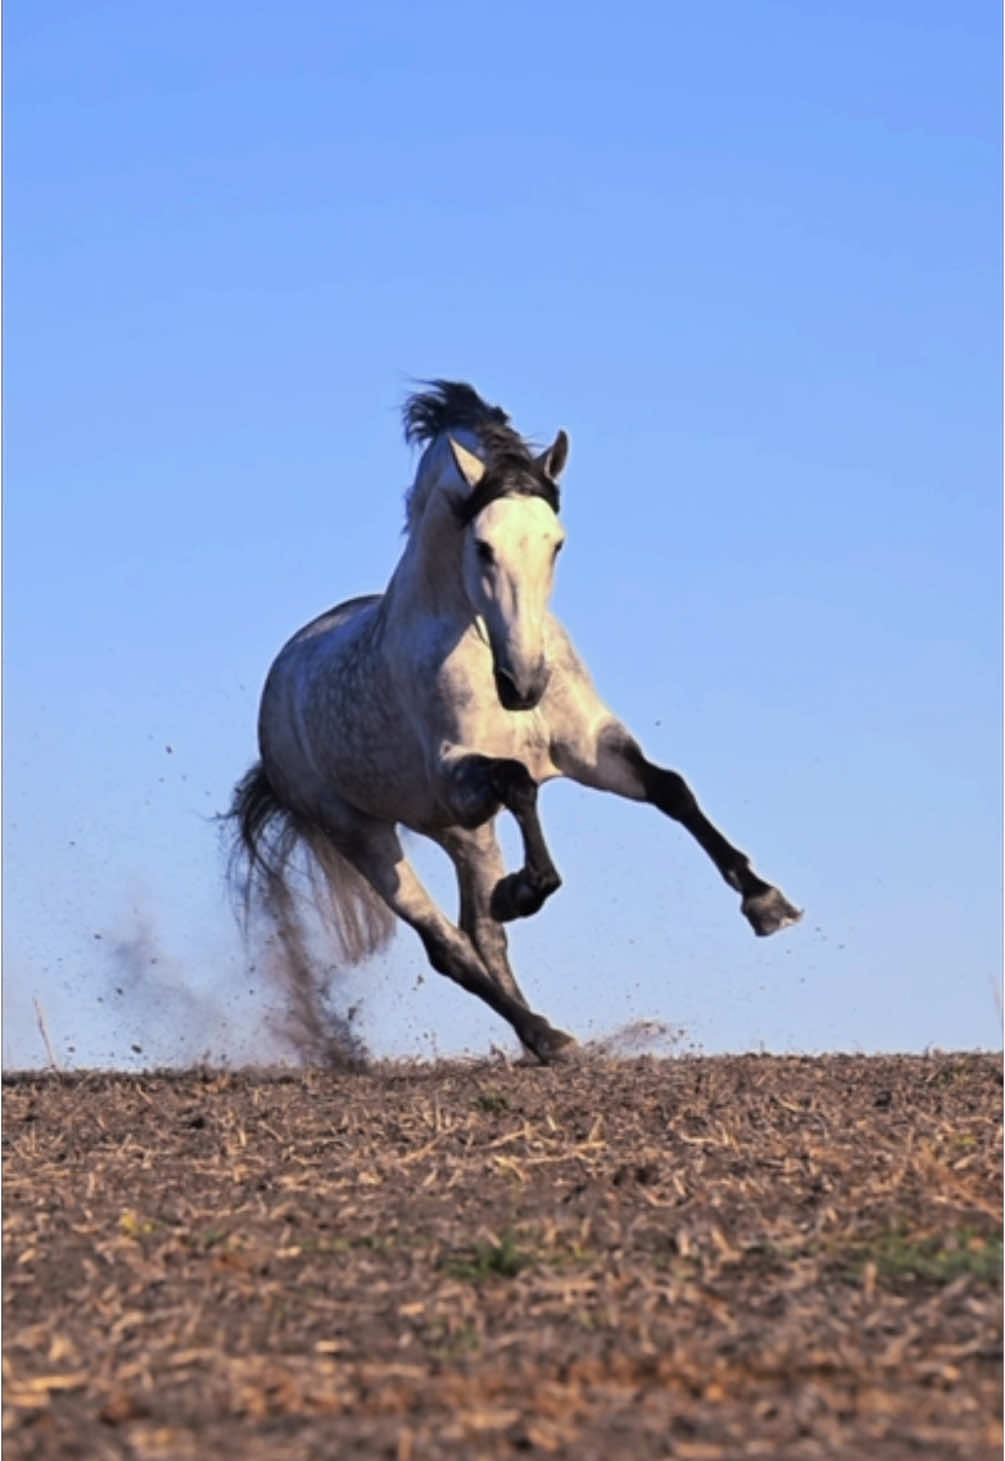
x=512, y=536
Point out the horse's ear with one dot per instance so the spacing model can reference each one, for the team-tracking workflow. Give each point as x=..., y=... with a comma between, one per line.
x=471, y=468
x=553, y=460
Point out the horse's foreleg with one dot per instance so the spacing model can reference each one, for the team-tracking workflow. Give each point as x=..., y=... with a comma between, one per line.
x=479, y=865
x=614, y=761
x=480, y=785
x=374, y=849
x=478, y=862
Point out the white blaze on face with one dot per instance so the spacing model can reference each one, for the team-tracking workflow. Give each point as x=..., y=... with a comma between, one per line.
x=509, y=567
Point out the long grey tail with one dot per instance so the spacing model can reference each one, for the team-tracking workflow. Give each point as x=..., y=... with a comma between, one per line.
x=267, y=837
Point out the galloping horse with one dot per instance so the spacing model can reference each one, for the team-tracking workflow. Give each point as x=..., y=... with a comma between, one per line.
x=453, y=694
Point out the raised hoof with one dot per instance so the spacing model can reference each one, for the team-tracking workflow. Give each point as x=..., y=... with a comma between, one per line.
x=769, y=911
x=545, y=1042
x=515, y=896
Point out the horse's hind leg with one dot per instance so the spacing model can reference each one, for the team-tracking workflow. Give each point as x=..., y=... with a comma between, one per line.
x=613, y=761
x=374, y=849
x=478, y=861
x=480, y=784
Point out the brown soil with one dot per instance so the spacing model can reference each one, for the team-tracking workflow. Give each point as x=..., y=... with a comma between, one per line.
x=697, y=1258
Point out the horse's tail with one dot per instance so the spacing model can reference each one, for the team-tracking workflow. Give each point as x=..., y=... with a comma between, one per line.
x=267, y=836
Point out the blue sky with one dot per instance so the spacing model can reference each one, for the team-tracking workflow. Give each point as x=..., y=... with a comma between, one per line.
x=747, y=255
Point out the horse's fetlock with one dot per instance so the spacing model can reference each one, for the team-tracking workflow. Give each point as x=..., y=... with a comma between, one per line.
x=543, y=1040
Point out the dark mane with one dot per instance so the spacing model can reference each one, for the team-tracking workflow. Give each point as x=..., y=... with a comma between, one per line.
x=449, y=404
x=511, y=468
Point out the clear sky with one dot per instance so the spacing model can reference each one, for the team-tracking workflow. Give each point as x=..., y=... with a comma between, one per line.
x=747, y=254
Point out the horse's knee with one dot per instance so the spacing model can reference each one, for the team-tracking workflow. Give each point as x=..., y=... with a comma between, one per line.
x=665, y=789
x=479, y=785
x=473, y=798
x=513, y=784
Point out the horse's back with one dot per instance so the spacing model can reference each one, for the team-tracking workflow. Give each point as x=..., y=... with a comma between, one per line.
x=335, y=618
x=325, y=659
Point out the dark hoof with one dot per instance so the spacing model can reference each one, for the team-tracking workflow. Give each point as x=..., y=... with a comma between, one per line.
x=547, y=1043
x=769, y=911
x=517, y=896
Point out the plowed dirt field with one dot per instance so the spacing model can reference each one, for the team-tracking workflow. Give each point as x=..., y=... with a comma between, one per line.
x=698, y=1258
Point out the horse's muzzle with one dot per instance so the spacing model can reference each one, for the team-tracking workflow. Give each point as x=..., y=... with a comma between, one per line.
x=524, y=695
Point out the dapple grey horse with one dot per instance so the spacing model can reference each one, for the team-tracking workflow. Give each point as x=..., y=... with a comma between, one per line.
x=451, y=695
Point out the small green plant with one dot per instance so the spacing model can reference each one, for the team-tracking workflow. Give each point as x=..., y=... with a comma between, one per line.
x=938, y=1259
x=489, y=1260
x=493, y=1101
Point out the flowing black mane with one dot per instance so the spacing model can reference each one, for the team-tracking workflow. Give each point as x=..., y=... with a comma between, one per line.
x=449, y=404
x=511, y=467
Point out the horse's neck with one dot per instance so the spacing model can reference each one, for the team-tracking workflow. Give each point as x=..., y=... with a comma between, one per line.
x=427, y=579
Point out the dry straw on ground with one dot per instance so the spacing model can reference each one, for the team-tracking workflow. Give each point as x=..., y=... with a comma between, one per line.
x=696, y=1258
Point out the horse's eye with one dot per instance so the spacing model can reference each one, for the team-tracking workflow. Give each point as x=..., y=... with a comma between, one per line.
x=484, y=551
x=558, y=548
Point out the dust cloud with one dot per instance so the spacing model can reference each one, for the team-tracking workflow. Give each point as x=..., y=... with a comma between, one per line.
x=157, y=1015
x=298, y=1013
x=644, y=1037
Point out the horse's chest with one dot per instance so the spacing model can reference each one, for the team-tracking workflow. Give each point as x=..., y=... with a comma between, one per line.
x=522, y=736
x=463, y=709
